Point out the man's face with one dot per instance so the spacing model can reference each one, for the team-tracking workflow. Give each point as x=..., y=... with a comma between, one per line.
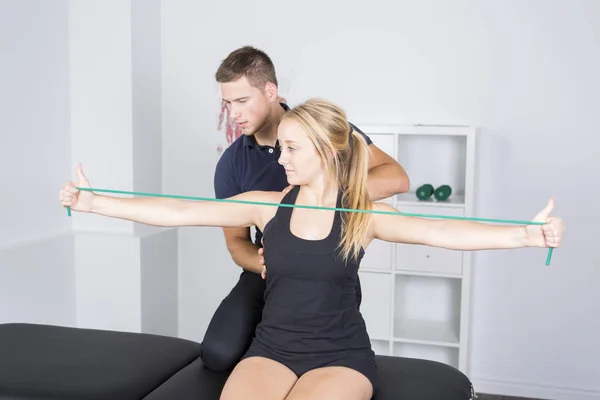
x=248, y=106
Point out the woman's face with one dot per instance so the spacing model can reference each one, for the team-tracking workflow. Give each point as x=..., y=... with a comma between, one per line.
x=302, y=163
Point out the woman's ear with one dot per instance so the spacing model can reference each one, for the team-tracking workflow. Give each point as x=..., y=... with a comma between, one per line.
x=330, y=157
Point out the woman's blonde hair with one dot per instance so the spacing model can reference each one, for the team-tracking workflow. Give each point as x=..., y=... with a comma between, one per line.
x=331, y=133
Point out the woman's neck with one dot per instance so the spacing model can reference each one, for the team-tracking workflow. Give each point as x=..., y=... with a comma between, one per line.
x=321, y=193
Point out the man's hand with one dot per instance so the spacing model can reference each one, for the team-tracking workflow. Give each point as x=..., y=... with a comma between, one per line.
x=287, y=189
x=242, y=249
x=261, y=252
x=261, y=260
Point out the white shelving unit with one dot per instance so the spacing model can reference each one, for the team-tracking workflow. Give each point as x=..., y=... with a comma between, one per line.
x=416, y=298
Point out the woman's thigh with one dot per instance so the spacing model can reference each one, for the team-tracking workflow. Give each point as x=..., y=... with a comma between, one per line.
x=258, y=378
x=332, y=383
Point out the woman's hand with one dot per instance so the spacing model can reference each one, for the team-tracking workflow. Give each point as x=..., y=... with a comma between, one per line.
x=549, y=234
x=72, y=197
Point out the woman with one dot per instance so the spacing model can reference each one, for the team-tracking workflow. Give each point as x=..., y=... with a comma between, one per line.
x=312, y=341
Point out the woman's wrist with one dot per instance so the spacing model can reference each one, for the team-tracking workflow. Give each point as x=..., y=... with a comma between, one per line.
x=95, y=203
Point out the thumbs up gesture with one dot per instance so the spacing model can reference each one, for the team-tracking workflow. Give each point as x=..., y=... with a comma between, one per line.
x=72, y=197
x=550, y=233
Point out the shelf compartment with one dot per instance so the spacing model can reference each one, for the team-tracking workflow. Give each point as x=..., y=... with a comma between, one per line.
x=378, y=256
x=416, y=257
x=434, y=159
x=427, y=309
x=380, y=347
x=446, y=355
x=438, y=333
x=376, y=310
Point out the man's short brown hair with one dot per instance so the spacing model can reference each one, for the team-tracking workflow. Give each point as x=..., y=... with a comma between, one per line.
x=250, y=62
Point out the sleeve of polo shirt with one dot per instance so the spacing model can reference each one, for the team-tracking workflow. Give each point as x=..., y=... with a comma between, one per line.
x=224, y=180
x=367, y=138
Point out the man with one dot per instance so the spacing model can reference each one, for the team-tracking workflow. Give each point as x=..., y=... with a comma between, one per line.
x=249, y=90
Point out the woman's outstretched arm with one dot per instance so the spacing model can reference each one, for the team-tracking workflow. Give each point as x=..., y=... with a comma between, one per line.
x=466, y=235
x=164, y=211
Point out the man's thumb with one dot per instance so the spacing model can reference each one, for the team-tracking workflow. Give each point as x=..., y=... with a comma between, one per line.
x=542, y=216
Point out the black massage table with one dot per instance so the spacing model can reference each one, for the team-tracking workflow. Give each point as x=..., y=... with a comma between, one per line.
x=41, y=362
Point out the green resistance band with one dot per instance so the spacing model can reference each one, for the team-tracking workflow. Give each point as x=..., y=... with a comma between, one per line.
x=173, y=196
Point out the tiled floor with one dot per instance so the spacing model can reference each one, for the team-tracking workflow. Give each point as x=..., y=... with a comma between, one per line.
x=495, y=397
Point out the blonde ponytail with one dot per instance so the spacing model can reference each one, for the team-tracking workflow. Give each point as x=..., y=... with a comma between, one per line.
x=354, y=169
x=329, y=130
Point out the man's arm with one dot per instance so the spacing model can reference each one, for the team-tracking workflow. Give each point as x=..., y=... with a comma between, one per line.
x=238, y=240
x=243, y=251
x=386, y=176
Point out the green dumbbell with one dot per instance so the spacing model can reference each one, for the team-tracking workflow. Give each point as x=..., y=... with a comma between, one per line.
x=442, y=193
x=424, y=192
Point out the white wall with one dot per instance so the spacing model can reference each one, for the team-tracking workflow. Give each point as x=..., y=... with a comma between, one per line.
x=116, y=102
x=36, y=251
x=35, y=117
x=81, y=83
x=523, y=72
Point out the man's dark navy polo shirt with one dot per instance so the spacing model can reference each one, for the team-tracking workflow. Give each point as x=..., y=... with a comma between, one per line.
x=246, y=165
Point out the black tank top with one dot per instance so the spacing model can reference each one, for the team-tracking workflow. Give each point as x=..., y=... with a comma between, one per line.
x=310, y=297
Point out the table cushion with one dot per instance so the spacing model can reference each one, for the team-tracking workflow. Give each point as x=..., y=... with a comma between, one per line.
x=52, y=362
x=44, y=362
x=411, y=378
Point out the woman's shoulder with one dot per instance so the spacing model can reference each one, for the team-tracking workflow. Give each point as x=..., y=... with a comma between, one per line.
x=261, y=198
x=381, y=213
x=268, y=196
x=381, y=206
